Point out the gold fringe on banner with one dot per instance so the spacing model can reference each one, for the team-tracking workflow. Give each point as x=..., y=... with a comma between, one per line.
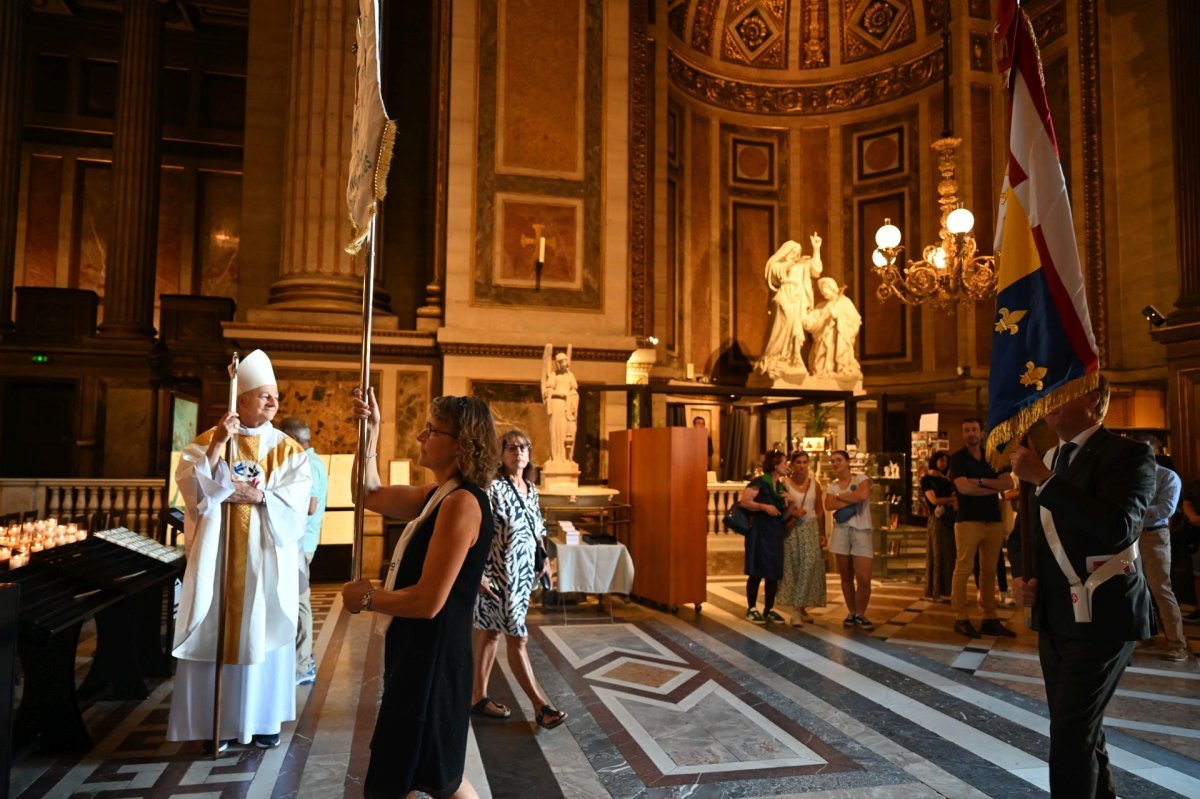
x=1019, y=424
x=383, y=163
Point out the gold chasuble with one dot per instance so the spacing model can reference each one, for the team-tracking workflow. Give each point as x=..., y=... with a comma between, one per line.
x=262, y=579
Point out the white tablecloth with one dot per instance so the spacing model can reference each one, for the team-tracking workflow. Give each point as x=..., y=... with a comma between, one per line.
x=593, y=568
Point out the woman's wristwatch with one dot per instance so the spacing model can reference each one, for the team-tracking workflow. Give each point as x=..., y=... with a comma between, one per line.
x=366, y=600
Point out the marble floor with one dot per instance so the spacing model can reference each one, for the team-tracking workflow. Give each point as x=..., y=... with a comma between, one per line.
x=688, y=705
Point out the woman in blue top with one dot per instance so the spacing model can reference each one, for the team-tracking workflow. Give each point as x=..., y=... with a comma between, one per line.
x=767, y=500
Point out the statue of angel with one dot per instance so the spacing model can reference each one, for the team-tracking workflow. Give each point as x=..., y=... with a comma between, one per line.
x=560, y=393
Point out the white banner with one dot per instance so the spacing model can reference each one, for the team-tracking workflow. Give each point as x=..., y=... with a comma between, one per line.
x=373, y=133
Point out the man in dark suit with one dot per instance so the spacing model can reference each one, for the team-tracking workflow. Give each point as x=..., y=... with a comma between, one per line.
x=1092, y=490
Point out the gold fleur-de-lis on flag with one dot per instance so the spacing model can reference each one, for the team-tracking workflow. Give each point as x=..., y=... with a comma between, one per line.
x=1033, y=376
x=1007, y=323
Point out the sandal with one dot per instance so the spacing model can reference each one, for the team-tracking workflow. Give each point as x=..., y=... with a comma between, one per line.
x=548, y=718
x=495, y=711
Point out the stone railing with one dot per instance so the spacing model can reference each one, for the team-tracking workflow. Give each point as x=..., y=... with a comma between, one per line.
x=135, y=504
x=722, y=497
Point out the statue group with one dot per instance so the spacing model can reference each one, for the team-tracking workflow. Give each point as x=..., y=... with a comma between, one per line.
x=833, y=324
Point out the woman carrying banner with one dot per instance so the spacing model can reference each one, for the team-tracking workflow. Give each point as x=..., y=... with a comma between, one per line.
x=420, y=741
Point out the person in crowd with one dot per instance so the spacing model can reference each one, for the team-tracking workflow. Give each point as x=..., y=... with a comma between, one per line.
x=978, y=529
x=1190, y=507
x=1092, y=491
x=1154, y=546
x=699, y=423
x=266, y=489
x=938, y=494
x=508, y=578
x=767, y=500
x=420, y=740
x=306, y=666
x=803, y=583
x=851, y=540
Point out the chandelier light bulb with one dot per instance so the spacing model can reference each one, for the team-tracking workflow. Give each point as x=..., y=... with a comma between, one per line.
x=888, y=236
x=939, y=258
x=879, y=259
x=960, y=220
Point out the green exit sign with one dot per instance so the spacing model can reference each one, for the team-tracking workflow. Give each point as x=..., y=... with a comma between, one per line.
x=40, y=358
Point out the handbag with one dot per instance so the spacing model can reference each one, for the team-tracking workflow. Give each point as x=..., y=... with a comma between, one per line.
x=843, y=515
x=737, y=520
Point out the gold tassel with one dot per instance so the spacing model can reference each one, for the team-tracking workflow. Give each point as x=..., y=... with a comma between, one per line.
x=1018, y=425
x=383, y=164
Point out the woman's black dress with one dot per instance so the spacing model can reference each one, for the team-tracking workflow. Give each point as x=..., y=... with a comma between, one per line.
x=764, y=542
x=420, y=740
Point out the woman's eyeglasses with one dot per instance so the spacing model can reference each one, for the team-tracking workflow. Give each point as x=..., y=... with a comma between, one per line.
x=429, y=430
x=516, y=447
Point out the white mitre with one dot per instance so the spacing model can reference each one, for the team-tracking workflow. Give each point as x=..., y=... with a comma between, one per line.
x=254, y=371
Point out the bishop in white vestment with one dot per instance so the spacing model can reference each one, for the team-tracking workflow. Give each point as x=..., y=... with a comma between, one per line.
x=267, y=498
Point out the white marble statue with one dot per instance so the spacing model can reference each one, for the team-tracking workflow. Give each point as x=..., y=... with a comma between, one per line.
x=790, y=274
x=560, y=393
x=834, y=325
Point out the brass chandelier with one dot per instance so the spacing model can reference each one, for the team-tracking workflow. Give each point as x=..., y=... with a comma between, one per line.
x=949, y=272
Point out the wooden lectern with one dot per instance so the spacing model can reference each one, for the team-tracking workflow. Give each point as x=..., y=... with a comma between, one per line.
x=662, y=473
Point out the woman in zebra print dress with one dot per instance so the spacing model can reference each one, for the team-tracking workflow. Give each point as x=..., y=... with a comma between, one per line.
x=508, y=580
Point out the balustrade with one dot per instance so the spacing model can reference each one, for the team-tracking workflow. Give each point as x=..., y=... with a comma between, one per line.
x=722, y=497
x=135, y=504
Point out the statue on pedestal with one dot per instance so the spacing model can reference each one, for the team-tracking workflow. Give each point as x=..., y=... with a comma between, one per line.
x=560, y=393
x=790, y=274
x=834, y=325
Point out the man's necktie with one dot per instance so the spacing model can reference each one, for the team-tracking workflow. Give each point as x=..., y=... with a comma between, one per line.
x=1064, y=457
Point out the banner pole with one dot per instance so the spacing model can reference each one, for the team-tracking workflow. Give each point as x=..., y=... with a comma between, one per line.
x=364, y=382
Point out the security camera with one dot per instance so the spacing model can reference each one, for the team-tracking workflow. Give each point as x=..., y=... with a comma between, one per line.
x=1153, y=316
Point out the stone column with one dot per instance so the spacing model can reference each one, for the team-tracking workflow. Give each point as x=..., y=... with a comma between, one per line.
x=137, y=155
x=315, y=273
x=10, y=153
x=1185, y=66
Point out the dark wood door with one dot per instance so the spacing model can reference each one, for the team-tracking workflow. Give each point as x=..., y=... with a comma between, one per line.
x=38, y=434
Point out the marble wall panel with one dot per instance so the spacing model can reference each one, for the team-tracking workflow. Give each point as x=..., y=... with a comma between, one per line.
x=127, y=426
x=521, y=221
x=699, y=229
x=322, y=398
x=672, y=309
x=883, y=333
x=413, y=395
x=170, y=232
x=813, y=194
x=752, y=241
x=982, y=200
x=91, y=232
x=888, y=327
x=518, y=405
x=42, y=219
x=539, y=99
x=218, y=232
x=506, y=66
x=879, y=154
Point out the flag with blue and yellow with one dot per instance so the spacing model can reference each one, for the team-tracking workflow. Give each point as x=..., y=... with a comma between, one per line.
x=1043, y=351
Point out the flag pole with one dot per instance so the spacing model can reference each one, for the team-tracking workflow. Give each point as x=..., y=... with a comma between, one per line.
x=223, y=570
x=364, y=382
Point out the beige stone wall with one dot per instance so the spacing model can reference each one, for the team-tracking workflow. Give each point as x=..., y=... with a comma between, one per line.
x=1139, y=184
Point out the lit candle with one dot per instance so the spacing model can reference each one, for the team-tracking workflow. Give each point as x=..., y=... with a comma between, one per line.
x=18, y=560
x=52, y=521
x=36, y=546
x=542, y=249
x=27, y=528
x=50, y=543
x=72, y=527
x=4, y=553
x=80, y=534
